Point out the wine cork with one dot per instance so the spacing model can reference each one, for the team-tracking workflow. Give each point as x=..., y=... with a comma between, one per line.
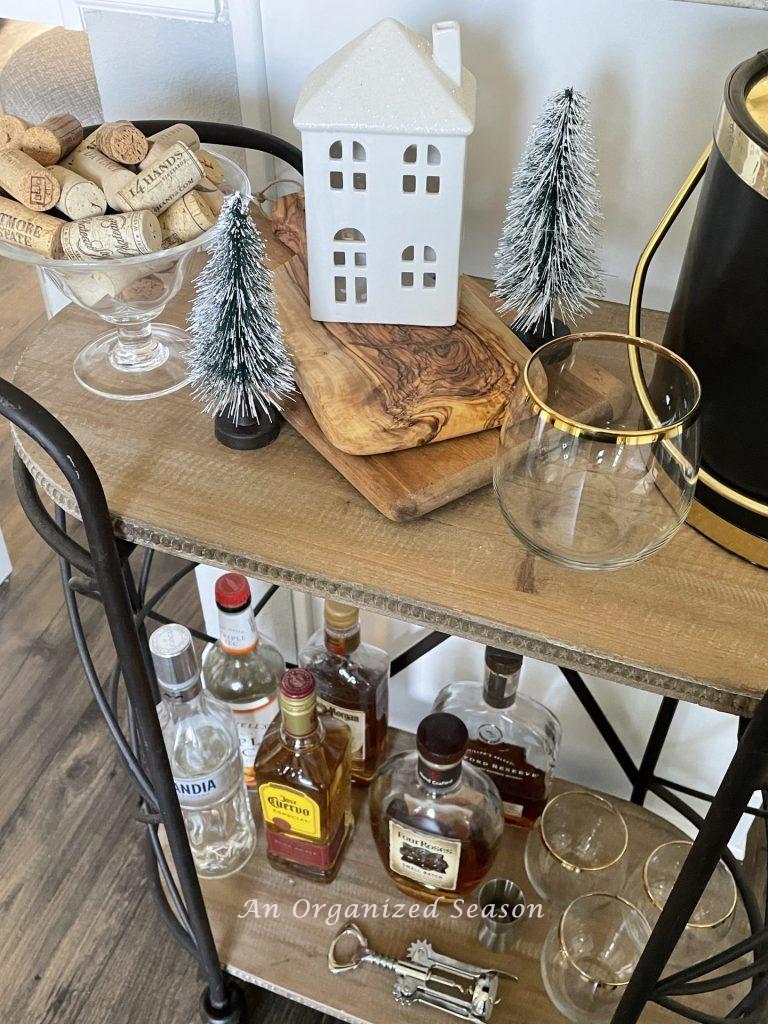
x=79, y=196
x=24, y=179
x=36, y=231
x=121, y=141
x=215, y=200
x=132, y=284
x=213, y=169
x=83, y=288
x=160, y=141
x=111, y=237
x=52, y=140
x=90, y=163
x=11, y=131
x=186, y=219
x=164, y=181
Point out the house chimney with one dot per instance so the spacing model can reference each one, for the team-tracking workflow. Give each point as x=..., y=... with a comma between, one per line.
x=446, y=49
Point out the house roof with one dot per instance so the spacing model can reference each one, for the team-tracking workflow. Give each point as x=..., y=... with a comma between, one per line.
x=386, y=81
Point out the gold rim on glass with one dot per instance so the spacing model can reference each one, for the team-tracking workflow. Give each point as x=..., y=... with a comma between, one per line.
x=660, y=906
x=599, y=982
x=576, y=868
x=569, y=425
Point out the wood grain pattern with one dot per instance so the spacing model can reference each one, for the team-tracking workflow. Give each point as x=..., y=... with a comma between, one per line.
x=376, y=388
x=284, y=948
x=688, y=622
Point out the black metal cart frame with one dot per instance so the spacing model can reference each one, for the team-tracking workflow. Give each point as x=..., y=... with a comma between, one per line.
x=103, y=572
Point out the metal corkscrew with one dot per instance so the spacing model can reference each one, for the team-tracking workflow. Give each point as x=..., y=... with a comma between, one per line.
x=463, y=990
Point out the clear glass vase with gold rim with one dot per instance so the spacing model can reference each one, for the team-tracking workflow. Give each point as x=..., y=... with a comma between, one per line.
x=599, y=452
x=578, y=846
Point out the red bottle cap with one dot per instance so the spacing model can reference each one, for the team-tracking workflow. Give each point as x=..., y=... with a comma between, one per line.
x=297, y=683
x=232, y=590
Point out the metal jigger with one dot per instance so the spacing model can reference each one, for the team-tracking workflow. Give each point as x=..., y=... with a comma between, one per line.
x=501, y=904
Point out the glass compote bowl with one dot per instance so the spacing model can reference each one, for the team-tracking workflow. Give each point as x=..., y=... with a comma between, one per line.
x=137, y=358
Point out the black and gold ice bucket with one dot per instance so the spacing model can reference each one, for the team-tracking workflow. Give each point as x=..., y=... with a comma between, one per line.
x=719, y=318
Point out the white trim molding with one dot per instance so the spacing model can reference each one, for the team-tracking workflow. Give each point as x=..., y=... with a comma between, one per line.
x=73, y=11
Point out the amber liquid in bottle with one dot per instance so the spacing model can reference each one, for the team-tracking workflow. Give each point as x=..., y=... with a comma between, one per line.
x=303, y=779
x=524, y=788
x=352, y=686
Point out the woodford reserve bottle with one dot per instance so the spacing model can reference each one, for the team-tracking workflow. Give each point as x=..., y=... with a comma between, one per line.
x=242, y=669
x=437, y=821
x=303, y=777
x=513, y=738
x=352, y=684
x=204, y=753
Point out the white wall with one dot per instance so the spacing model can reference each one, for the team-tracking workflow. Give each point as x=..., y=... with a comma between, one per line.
x=653, y=69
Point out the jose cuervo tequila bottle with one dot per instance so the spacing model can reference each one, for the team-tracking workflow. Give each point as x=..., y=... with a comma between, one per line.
x=204, y=752
x=243, y=670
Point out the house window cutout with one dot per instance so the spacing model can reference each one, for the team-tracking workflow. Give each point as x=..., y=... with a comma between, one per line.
x=358, y=152
x=407, y=256
x=358, y=182
x=334, y=150
x=406, y=279
x=361, y=290
x=433, y=155
x=429, y=254
x=433, y=184
x=336, y=180
x=409, y=183
x=340, y=289
x=349, y=235
x=410, y=155
x=339, y=259
x=429, y=280
x=361, y=259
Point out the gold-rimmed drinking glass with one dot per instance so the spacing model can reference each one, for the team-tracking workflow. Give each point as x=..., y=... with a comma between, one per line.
x=712, y=920
x=578, y=846
x=588, y=957
x=599, y=452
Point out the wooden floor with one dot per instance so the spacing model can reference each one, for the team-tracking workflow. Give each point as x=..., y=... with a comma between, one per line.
x=80, y=937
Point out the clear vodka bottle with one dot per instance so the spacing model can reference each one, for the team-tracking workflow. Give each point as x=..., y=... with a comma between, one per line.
x=204, y=751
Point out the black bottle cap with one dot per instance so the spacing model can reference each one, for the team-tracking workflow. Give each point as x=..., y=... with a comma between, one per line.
x=442, y=739
x=503, y=663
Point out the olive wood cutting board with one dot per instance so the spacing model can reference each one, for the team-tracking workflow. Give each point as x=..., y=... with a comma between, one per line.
x=375, y=388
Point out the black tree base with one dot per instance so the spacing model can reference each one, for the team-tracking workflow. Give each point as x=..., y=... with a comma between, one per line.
x=534, y=341
x=249, y=432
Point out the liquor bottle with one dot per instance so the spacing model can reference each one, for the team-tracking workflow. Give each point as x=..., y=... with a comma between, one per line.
x=352, y=684
x=302, y=773
x=437, y=821
x=204, y=752
x=512, y=737
x=242, y=669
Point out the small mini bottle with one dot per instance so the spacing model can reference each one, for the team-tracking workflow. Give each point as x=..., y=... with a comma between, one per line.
x=242, y=670
x=512, y=737
x=204, y=752
x=352, y=684
x=302, y=773
x=437, y=821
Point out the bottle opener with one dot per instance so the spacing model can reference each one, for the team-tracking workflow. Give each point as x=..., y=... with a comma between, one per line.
x=463, y=990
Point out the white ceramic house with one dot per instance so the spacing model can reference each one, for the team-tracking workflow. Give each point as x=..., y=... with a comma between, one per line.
x=384, y=125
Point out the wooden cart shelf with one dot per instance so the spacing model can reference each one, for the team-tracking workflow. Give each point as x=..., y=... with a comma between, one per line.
x=284, y=948
x=690, y=622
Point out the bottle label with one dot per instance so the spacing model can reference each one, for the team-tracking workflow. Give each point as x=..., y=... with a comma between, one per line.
x=252, y=719
x=290, y=810
x=299, y=851
x=238, y=631
x=199, y=791
x=355, y=722
x=425, y=858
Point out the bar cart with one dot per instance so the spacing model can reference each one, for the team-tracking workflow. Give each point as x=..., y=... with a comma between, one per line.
x=687, y=624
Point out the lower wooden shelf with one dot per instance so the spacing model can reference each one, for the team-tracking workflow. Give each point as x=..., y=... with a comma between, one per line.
x=274, y=930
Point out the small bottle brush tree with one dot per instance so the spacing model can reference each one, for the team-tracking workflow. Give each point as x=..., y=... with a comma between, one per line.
x=546, y=263
x=240, y=369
